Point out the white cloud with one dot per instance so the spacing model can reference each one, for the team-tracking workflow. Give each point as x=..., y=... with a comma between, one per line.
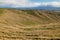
x=18, y=3
x=55, y=4
x=26, y=3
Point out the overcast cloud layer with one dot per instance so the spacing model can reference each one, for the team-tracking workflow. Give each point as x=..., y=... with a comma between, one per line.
x=29, y=3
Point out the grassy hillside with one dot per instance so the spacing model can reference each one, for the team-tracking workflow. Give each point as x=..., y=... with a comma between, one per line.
x=29, y=24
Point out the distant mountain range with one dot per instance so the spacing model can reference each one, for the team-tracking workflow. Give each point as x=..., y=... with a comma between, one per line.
x=48, y=8
x=35, y=8
x=41, y=8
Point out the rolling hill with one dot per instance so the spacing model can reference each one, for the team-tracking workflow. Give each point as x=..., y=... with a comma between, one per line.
x=29, y=24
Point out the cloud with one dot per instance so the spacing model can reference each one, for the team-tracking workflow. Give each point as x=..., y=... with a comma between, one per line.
x=54, y=4
x=27, y=3
x=18, y=3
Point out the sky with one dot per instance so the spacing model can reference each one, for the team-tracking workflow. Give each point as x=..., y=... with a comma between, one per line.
x=29, y=3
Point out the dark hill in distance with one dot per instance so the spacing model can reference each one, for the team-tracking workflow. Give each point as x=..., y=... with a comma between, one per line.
x=40, y=8
x=49, y=7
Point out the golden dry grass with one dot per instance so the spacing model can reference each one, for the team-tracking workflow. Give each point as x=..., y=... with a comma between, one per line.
x=29, y=25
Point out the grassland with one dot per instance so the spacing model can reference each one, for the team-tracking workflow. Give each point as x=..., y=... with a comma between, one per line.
x=29, y=24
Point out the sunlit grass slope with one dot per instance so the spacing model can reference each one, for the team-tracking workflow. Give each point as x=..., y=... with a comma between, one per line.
x=25, y=24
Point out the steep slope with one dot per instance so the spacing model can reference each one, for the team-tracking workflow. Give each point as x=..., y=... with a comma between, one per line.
x=21, y=24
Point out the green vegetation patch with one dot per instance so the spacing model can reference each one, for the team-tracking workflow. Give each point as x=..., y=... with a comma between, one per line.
x=28, y=22
x=1, y=11
x=31, y=12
